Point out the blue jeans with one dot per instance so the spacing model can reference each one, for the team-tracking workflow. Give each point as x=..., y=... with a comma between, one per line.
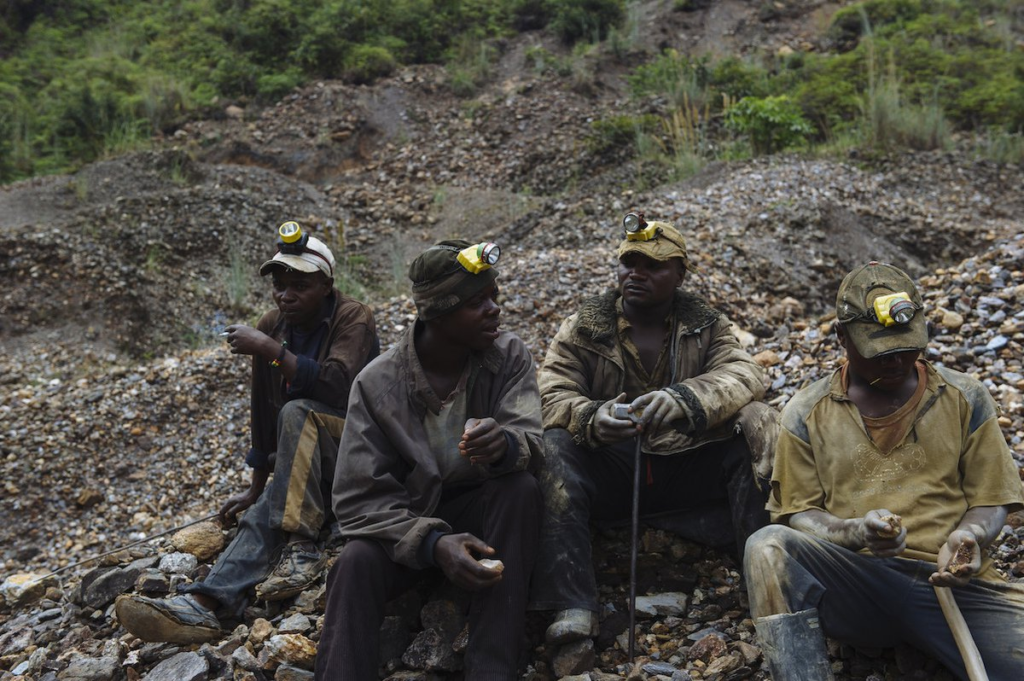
x=295, y=501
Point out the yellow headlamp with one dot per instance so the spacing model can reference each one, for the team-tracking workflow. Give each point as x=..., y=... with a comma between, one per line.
x=895, y=308
x=637, y=228
x=291, y=239
x=478, y=258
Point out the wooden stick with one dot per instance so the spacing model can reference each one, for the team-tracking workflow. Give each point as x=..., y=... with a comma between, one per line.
x=961, y=634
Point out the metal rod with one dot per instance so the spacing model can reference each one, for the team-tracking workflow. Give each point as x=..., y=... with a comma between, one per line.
x=961, y=634
x=122, y=548
x=633, y=549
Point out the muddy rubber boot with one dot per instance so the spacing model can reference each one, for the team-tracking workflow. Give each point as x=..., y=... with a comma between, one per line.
x=574, y=624
x=794, y=646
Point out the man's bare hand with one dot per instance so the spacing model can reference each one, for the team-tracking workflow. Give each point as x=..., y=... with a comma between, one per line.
x=235, y=505
x=453, y=553
x=239, y=502
x=483, y=441
x=245, y=340
x=959, y=560
x=878, y=534
x=608, y=429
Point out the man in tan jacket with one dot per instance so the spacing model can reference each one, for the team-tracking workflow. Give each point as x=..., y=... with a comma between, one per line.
x=676, y=362
x=892, y=477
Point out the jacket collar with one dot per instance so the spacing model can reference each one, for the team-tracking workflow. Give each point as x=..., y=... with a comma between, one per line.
x=596, y=319
x=421, y=393
x=936, y=384
x=326, y=315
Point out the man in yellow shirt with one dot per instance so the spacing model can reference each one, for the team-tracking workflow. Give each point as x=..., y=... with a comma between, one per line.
x=884, y=472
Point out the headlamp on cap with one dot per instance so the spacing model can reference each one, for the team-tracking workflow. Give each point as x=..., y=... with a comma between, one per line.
x=637, y=228
x=480, y=257
x=896, y=308
x=291, y=239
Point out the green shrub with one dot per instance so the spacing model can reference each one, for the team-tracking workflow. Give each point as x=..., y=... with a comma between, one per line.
x=771, y=123
x=575, y=20
x=15, y=156
x=674, y=76
x=1001, y=146
x=850, y=23
x=367, y=63
x=889, y=122
x=530, y=15
x=610, y=134
x=271, y=87
x=739, y=78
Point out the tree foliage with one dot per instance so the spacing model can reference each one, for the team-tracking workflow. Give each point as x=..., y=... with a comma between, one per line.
x=771, y=123
x=83, y=78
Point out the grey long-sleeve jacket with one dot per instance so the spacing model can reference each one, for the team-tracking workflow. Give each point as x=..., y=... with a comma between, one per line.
x=387, y=483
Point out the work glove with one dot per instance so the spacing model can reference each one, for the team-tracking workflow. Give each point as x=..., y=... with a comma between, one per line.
x=662, y=406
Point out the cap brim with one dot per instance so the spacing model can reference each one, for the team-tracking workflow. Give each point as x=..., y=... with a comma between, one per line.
x=290, y=261
x=872, y=339
x=651, y=249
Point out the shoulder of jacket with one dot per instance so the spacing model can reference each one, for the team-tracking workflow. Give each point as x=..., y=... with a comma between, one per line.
x=694, y=312
x=350, y=307
x=595, y=319
x=270, y=319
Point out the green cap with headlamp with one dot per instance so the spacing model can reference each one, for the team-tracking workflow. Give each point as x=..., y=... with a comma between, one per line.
x=451, y=272
x=881, y=310
x=656, y=240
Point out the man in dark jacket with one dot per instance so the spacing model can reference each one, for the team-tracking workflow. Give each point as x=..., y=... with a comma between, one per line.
x=440, y=431
x=690, y=388
x=305, y=355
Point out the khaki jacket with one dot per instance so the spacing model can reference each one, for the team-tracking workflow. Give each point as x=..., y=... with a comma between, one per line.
x=715, y=378
x=388, y=483
x=952, y=459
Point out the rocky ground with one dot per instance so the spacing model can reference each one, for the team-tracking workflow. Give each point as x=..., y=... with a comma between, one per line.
x=123, y=417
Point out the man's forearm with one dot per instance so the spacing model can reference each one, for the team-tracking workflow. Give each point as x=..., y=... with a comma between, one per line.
x=984, y=522
x=846, y=533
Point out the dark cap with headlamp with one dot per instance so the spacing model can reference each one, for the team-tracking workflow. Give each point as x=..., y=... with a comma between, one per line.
x=881, y=310
x=299, y=251
x=449, y=273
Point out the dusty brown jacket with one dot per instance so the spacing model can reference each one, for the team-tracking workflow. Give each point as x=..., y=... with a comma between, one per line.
x=387, y=483
x=350, y=342
x=715, y=377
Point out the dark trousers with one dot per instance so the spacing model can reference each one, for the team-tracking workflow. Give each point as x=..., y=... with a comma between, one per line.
x=505, y=513
x=875, y=602
x=293, y=502
x=581, y=485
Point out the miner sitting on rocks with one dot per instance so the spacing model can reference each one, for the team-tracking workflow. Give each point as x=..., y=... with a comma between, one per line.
x=891, y=478
x=440, y=431
x=305, y=355
x=691, y=392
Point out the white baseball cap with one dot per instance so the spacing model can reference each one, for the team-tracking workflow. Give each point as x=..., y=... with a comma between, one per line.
x=316, y=256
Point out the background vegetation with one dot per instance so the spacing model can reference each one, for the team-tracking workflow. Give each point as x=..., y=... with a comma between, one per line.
x=81, y=79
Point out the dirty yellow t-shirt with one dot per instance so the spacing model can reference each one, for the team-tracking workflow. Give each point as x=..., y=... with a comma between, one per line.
x=952, y=458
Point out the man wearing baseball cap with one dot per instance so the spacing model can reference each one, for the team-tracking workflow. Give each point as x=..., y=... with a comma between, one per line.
x=675, y=361
x=441, y=429
x=305, y=355
x=891, y=478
